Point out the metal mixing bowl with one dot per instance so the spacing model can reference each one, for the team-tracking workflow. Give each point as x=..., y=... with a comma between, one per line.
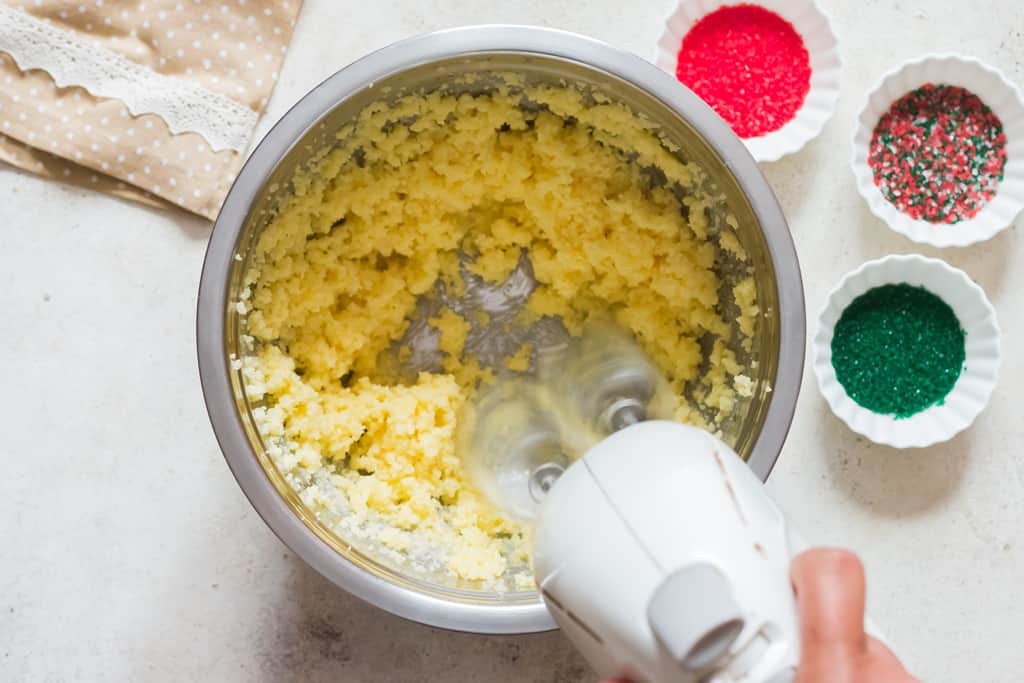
x=427, y=62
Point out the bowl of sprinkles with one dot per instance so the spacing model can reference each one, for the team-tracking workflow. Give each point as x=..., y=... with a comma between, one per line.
x=939, y=150
x=770, y=69
x=907, y=351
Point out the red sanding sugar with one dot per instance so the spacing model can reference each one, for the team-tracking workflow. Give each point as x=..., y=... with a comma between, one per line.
x=749, y=64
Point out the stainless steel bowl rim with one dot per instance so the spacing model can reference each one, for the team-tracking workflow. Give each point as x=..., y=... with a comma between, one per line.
x=210, y=323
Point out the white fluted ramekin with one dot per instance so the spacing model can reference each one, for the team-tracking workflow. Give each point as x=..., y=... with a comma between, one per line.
x=995, y=90
x=822, y=47
x=972, y=390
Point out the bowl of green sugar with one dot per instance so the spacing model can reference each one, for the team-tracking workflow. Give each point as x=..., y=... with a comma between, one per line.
x=907, y=351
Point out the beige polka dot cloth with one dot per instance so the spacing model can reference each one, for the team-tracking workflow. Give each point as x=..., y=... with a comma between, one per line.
x=163, y=108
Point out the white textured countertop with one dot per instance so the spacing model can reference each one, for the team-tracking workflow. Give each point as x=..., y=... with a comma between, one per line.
x=127, y=552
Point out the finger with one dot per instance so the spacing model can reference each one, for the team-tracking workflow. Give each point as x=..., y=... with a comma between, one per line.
x=830, y=594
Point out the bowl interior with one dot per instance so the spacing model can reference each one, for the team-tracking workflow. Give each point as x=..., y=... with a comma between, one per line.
x=762, y=358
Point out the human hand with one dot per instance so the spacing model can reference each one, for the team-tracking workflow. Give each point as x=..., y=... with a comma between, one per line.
x=830, y=596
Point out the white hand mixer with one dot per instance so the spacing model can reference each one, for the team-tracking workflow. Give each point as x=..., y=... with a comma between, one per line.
x=658, y=551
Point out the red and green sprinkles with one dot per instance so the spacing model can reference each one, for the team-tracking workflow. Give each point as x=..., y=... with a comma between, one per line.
x=938, y=154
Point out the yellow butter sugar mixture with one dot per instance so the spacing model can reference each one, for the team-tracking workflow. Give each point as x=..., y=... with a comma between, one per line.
x=422, y=194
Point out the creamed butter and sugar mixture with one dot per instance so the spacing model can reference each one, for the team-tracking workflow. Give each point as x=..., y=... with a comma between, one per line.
x=563, y=175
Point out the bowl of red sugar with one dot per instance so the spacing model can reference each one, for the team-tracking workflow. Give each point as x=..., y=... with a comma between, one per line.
x=770, y=69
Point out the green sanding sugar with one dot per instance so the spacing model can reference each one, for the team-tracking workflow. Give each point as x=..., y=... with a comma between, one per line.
x=898, y=349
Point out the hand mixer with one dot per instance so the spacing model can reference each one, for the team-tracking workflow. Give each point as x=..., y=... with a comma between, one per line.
x=657, y=551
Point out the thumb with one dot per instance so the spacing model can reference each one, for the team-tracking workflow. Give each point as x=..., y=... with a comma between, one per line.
x=830, y=594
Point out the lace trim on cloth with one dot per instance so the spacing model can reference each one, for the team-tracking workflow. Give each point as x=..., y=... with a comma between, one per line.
x=184, y=106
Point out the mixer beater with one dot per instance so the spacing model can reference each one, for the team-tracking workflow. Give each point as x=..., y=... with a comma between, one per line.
x=525, y=432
